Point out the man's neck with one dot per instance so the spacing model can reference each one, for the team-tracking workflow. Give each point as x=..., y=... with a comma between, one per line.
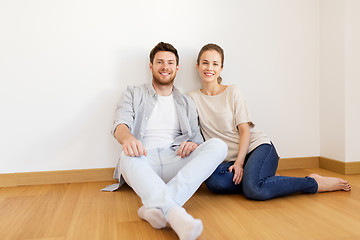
x=163, y=90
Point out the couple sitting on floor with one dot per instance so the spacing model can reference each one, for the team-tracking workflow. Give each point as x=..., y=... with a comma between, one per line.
x=165, y=159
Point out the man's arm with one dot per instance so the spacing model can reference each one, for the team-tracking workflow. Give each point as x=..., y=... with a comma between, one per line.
x=124, y=121
x=131, y=146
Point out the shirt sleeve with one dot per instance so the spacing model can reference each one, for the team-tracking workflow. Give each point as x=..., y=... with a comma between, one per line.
x=196, y=135
x=241, y=113
x=125, y=110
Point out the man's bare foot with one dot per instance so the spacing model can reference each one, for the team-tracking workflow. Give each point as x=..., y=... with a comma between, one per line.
x=328, y=184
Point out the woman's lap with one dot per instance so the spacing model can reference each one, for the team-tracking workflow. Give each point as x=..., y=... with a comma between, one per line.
x=259, y=181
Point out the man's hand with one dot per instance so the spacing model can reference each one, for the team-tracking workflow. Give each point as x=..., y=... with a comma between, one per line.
x=186, y=148
x=238, y=173
x=131, y=146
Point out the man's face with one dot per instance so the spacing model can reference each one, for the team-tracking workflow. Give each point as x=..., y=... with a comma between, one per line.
x=164, y=68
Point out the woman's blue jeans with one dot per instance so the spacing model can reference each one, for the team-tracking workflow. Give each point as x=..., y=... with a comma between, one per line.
x=259, y=181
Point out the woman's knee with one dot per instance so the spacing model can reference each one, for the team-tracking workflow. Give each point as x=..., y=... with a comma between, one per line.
x=221, y=186
x=214, y=186
x=221, y=180
x=256, y=192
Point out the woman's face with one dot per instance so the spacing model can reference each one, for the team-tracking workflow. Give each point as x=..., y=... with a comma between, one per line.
x=209, y=66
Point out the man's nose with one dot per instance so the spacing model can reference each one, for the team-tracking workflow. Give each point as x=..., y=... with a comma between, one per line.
x=165, y=66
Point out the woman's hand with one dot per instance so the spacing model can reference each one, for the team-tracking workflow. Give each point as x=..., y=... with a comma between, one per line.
x=238, y=173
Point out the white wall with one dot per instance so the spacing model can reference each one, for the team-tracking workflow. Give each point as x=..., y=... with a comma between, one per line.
x=332, y=79
x=352, y=88
x=339, y=79
x=63, y=65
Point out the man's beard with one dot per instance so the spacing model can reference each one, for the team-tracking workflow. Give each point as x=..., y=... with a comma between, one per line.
x=162, y=82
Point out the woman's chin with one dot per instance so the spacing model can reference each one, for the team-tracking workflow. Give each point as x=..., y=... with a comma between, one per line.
x=208, y=80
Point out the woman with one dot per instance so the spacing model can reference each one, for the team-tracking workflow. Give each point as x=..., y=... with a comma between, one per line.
x=252, y=160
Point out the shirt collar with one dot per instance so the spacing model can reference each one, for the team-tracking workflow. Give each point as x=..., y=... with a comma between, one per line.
x=153, y=94
x=151, y=90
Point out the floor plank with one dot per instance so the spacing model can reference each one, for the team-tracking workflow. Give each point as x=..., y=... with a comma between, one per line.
x=80, y=211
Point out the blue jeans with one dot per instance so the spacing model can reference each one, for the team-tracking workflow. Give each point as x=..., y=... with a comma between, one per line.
x=259, y=181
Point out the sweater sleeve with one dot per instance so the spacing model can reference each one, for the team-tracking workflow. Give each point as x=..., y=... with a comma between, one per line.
x=241, y=111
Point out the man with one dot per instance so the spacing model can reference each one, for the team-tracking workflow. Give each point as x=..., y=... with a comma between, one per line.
x=164, y=158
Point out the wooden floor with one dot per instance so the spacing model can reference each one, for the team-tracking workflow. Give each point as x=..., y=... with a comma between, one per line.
x=80, y=211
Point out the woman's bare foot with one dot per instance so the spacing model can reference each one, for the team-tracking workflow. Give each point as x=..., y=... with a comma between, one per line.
x=328, y=184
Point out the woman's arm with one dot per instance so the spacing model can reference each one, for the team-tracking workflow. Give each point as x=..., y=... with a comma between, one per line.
x=244, y=142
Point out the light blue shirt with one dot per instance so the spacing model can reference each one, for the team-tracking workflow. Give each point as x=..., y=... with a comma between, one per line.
x=135, y=108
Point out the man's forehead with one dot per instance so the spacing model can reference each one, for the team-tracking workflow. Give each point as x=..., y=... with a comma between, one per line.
x=165, y=55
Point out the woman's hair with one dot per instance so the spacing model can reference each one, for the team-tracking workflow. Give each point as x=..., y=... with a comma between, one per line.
x=209, y=47
x=166, y=47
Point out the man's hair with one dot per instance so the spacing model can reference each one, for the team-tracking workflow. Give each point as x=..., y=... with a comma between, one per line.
x=167, y=47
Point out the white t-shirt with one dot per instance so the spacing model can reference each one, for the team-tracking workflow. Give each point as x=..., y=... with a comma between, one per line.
x=221, y=114
x=163, y=124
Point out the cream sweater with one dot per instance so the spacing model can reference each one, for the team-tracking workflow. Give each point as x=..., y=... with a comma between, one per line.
x=221, y=114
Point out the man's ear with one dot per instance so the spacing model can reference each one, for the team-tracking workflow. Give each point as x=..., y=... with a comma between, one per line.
x=150, y=66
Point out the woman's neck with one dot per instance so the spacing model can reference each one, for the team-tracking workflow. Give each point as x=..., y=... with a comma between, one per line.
x=212, y=89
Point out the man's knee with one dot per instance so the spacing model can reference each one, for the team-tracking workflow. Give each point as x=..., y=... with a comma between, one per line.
x=218, y=144
x=127, y=162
